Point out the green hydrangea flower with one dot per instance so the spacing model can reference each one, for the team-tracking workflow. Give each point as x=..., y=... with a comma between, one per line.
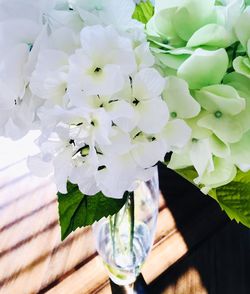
x=194, y=23
x=222, y=104
x=242, y=28
x=203, y=49
x=179, y=100
x=204, y=68
x=241, y=64
x=224, y=172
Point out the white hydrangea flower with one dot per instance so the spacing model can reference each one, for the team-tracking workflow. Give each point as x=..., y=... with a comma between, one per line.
x=120, y=174
x=95, y=73
x=107, y=12
x=151, y=111
x=22, y=34
x=87, y=75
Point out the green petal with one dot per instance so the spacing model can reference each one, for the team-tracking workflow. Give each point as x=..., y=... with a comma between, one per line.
x=204, y=68
x=151, y=29
x=244, y=116
x=240, y=151
x=180, y=51
x=197, y=131
x=201, y=156
x=173, y=61
x=240, y=82
x=163, y=22
x=242, y=65
x=180, y=103
x=242, y=85
x=192, y=15
x=219, y=148
x=180, y=161
x=163, y=4
x=224, y=172
x=211, y=35
x=242, y=28
x=227, y=128
x=221, y=98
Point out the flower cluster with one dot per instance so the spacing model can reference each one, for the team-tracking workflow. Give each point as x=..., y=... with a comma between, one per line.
x=111, y=100
x=204, y=48
x=82, y=73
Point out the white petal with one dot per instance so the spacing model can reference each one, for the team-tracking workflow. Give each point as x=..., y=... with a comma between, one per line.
x=64, y=39
x=144, y=57
x=15, y=129
x=122, y=114
x=153, y=115
x=120, y=143
x=119, y=176
x=148, y=154
x=118, y=13
x=49, y=78
x=17, y=31
x=102, y=127
x=39, y=166
x=84, y=174
x=118, y=50
x=176, y=134
x=12, y=70
x=63, y=167
x=148, y=84
x=108, y=82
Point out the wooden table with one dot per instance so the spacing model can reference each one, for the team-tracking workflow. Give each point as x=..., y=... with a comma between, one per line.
x=190, y=228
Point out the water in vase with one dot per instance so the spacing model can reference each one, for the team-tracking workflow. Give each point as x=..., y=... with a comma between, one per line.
x=122, y=262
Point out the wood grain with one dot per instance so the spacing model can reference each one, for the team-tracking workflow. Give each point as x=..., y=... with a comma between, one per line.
x=34, y=260
x=32, y=257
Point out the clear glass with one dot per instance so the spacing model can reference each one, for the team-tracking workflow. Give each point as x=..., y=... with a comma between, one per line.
x=125, y=239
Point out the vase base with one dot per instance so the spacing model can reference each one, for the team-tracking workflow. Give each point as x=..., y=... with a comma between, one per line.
x=139, y=287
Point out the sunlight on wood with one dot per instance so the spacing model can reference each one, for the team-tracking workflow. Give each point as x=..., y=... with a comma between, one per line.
x=168, y=248
x=190, y=282
x=32, y=257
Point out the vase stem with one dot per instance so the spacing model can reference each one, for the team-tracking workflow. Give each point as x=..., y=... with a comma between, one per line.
x=129, y=289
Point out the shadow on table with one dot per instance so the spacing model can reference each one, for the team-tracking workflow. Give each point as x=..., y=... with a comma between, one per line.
x=221, y=257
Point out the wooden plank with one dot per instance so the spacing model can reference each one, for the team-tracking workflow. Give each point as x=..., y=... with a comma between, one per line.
x=219, y=265
x=170, y=245
x=34, y=260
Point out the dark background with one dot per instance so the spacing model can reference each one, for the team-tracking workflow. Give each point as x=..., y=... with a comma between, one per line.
x=222, y=259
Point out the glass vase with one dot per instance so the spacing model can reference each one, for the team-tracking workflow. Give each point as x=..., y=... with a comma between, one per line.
x=125, y=239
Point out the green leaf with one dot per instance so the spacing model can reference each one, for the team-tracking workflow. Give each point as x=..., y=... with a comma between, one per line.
x=234, y=198
x=188, y=173
x=77, y=210
x=143, y=11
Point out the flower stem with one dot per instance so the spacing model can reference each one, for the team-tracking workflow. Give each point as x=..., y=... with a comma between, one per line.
x=112, y=223
x=132, y=221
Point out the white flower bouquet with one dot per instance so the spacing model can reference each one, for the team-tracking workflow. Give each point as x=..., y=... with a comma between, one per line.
x=114, y=86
